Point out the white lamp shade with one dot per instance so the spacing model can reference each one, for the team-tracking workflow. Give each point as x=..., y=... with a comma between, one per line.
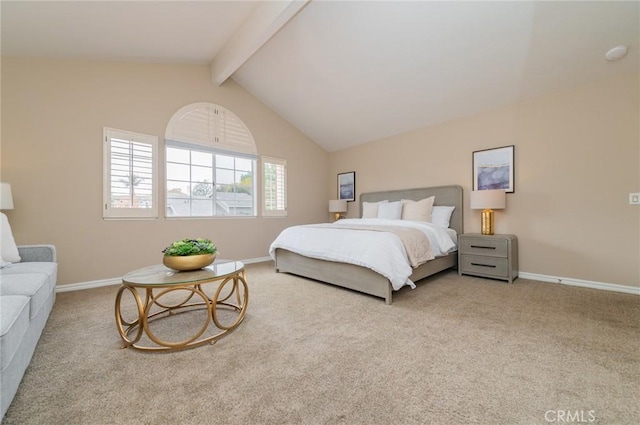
x=488, y=199
x=338, y=205
x=6, y=200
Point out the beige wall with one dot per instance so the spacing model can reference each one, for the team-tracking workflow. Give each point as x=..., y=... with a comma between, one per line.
x=53, y=113
x=577, y=157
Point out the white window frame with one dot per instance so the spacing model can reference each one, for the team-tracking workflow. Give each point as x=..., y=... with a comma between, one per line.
x=201, y=148
x=281, y=209
x=110, y=212
x=218, y=130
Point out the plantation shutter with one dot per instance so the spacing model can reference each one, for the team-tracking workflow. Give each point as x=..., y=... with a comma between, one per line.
x=129, y=175
x=274, y=181
x=211, y=125
x=233, y=134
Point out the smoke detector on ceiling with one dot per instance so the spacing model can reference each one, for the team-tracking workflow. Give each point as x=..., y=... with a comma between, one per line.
x=616, y=53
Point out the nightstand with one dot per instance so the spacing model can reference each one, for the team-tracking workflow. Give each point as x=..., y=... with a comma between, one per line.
x=494, y=256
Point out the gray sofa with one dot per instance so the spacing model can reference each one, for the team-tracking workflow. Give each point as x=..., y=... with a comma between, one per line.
x=27, y=294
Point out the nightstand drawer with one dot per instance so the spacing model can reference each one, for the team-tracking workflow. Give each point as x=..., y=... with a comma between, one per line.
x=484, y=246
x=491, y=266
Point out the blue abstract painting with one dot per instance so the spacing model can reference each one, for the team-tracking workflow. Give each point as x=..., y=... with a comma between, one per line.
x=493, y=169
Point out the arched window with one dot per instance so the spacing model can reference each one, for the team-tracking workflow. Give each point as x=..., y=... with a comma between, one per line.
x=211, y=164
x=210, y=125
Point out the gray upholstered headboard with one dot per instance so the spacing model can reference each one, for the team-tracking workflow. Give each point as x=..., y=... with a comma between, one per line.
x=444, y=195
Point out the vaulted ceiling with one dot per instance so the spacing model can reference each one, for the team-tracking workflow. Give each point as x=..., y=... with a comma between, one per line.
x=348, y=72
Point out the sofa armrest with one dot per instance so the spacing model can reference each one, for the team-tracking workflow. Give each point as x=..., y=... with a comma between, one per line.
x=32, y=253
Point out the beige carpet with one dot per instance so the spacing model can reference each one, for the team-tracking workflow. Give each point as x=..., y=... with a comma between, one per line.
x=453, y=351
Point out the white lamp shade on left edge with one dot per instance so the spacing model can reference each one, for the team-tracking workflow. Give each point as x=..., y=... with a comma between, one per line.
x=6, y=199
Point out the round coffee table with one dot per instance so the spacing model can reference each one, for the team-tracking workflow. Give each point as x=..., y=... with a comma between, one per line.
x=168, y=293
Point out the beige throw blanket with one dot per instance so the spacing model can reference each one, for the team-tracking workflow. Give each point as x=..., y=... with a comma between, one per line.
x=416, y=243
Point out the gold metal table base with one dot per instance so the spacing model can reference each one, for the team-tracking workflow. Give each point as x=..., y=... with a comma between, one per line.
x=234, y=299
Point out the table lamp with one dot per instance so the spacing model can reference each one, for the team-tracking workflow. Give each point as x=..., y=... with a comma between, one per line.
x=487, y=201
x=338, y=206
x=6, y=200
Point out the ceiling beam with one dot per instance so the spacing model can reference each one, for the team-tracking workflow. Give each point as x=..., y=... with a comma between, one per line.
x=263, y=23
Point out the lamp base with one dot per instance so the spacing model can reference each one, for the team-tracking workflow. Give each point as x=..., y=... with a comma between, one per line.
x=487, y=222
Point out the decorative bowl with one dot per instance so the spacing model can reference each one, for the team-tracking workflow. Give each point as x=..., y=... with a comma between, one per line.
x=188, y=262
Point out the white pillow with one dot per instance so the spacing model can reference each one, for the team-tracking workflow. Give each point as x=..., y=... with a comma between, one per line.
x=370, y=209
x=8, y=248
x=418, y=210
x=390, y=210
x=441, y=215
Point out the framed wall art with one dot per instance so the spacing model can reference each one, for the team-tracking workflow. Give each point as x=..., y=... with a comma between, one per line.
x=347, y=186
x=494, y=169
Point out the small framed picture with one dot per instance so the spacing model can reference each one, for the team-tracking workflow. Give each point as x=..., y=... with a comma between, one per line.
x=494, y=169
x=347, y=186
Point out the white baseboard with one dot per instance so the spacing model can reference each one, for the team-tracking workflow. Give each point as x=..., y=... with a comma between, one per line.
x=117, y=281
x=524, y=275
x=257, y=260
x=582, y=283
x=88, y=285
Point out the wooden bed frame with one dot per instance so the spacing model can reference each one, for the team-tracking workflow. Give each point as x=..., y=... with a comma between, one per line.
x=366, y=280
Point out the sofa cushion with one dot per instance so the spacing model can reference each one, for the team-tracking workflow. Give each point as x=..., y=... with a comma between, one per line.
x=50, y=269
x=36, y=286
x=14, y=321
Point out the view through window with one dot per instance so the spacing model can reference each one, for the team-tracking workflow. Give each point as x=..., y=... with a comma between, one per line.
x=204, y=183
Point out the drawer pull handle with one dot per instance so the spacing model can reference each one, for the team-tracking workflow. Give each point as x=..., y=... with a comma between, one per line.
x=483, y=265
x=484, y=247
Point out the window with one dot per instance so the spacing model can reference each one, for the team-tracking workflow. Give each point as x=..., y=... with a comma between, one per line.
x=129, y=175
x=210, y=125
x=274, y=183
x=211, y=164
x=205, y=182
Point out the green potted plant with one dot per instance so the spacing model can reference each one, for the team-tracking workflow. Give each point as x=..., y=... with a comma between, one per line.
x=189, y=254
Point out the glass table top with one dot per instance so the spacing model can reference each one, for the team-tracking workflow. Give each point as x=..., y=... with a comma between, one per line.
x=160, y=275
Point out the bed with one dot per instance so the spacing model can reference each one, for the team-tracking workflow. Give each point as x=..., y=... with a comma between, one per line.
x=363, y=279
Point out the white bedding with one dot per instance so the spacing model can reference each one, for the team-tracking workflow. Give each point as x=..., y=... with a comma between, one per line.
x=381, y=252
